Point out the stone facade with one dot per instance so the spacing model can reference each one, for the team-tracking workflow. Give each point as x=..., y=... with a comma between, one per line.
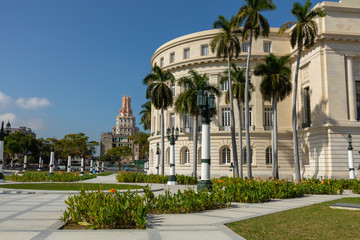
x=328, y=100
x=125, y=126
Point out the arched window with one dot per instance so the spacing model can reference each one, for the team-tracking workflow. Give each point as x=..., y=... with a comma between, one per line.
x=251, y=155
x=186, y=156
x=268, y=156
x=225, y=155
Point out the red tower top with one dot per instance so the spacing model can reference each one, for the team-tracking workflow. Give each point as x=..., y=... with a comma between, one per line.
x=126, y=106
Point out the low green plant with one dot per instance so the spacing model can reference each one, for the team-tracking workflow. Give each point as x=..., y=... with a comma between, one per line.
x=45, y=177
x=152, y=178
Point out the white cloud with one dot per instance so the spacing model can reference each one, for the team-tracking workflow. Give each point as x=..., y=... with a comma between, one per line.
x=32, y=103
x=4, y=99
x=34, y=123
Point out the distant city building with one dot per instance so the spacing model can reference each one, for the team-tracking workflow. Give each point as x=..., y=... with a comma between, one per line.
x=125, y=127
x=23, y=129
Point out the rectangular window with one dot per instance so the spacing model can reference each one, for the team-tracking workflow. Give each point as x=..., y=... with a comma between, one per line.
x=250, y=116
x=161, y=62
x=357, y=86
x=204, y=50
x=186, y=121
x=306, y=108
x=245, y=47
x=186, y=53
x=267, y=116
x=173, y=90
x=172, y=57
x=225, y=86
x=172, y=119
x=225, y=117
x=267, y=47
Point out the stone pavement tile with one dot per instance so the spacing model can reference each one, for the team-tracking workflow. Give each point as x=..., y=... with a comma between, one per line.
x=39, y=215
x=179, y=219
x=6, y=214
x=98, y=234
x=50, y=208
x=17, y=235
x=187, y=227
x=198, y=235
x=24, y=203
x=229, y=213
x=14, y=208
x=13, y=225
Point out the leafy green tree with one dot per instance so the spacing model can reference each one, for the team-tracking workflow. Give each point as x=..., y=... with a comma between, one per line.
x=186, y=103
x=118, y=154
x=238, y=90
x=226, y=45
x=160, y=94
x=145, y=113
x=254, y=25
x=303, y=34
x=141, y=138
x=16, y=145
x=275, y=86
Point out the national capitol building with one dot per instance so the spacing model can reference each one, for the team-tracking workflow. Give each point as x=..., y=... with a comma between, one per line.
x=328, y=100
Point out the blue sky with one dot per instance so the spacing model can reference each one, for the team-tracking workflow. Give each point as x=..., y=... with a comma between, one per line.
x=65, y=64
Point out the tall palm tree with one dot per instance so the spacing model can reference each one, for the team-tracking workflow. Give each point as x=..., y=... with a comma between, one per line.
x=254, y=25
x=227, y=45
x=145, y=119
x=302, y=34
x=238, y=90
x=160, y=94
x=275, y=86
x=186, y=102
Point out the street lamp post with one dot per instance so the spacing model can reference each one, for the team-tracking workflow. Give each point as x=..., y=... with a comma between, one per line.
x=206, y=106
x=351, y=158
x=82, y=165
x=172, y=138
x=2, y=135
x=91, y=166
x=52, y=160
x=25, y=160
x=69, y=161
x=40, y=160
x=157, y=158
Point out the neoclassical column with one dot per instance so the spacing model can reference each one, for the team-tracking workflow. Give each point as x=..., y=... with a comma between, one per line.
x=351, y=89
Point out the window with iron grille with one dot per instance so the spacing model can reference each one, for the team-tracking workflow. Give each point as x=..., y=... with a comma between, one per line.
x=306, y=107
x=267, y=47
x=161, y=62
x=245, y=47
x=267, y=116
x=204, y=50
x=268, y=154
x=225, y=117
x=186, y=156
x=251, y=155
x=225, y=155
x=225, y=86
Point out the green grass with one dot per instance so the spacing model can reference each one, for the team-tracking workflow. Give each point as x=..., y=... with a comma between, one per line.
x=313, y=222
x=69, y=186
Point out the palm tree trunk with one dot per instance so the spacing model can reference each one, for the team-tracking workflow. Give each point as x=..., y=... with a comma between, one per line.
x=272, y=142
x=294, y=119
x=232, y=122
x=248, y=162
x=195, y=139
x=240, y=142
x=162, y=150
x=275, y=138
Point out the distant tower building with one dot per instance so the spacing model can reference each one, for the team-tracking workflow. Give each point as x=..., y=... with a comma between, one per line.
x=125, y=126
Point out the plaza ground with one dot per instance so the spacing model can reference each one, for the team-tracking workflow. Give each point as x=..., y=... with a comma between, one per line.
x=34, y=215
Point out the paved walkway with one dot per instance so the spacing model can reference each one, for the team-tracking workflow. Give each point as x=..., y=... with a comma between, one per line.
x=36, y=217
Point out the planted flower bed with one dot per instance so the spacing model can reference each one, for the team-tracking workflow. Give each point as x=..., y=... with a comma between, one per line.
x=98, y=210
x=45, y=177
x=152, y=178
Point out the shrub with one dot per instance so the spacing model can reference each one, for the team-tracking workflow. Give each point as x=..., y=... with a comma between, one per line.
x=45, y=177
x=152, y=178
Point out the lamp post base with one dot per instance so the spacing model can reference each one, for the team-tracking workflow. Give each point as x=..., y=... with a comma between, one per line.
x=172, y=180
x=39, y=169
x=203, y=185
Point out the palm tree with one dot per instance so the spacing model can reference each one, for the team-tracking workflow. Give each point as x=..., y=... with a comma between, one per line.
x=227, y=45
x=303, y=34
x=161, y=97
x=238, y=90
x=275, y=86
x=254, y=25
x=186, y=103
x=145, y=119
